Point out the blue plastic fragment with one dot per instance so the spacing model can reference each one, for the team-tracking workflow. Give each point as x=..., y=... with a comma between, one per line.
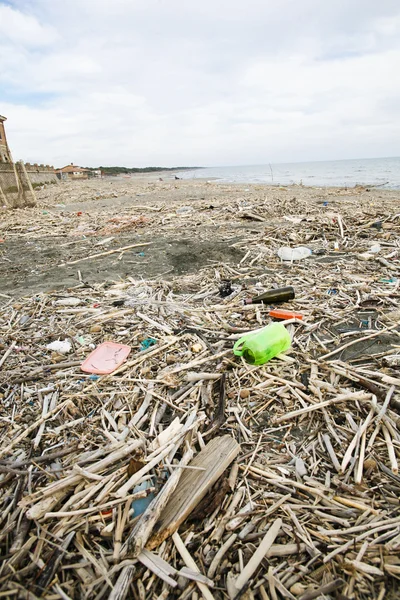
x=140, y=505
x=94, y=377
x=147, y=343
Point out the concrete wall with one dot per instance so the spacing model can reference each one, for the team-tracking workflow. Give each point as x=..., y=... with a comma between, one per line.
x=41, y=173
x=16, y=190
x=7, y=177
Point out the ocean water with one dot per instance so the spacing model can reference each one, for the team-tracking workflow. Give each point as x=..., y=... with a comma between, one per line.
x=383, y=172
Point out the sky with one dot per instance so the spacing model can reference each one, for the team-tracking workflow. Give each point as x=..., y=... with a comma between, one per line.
x=205, y=83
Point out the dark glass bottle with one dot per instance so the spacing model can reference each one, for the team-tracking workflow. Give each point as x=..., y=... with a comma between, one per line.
x=273, y=296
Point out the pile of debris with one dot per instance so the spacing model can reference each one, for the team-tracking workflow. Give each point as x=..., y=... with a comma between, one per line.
x=186, y=472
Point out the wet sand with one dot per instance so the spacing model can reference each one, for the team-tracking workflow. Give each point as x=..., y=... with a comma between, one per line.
x=74, y=220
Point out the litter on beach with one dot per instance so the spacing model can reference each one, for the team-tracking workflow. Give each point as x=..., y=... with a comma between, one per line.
x=160, y=465
x=106, y=358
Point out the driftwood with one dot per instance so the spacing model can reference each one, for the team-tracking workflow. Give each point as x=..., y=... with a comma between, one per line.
x=107, y=253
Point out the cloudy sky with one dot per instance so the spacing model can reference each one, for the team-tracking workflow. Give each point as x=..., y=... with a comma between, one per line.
x=205, y=82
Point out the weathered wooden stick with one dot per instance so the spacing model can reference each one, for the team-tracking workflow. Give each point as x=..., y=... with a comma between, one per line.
x=158, y=566
x=189, y=562
x=121, y=587
x=193, y=377
x=360, y=465
x=201, y=361
x=331, y=452
x=342, y=398
x=323, y=589
x=7, y=354
x=85, y=511
x=258, y=555
x=78, y=260
x=41, y=459
x=45, y=408
x=71, y=480
x=220, y=554
x=355, y=440
x=392, y=455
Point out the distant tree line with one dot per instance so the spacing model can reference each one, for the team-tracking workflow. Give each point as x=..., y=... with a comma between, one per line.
x=122, y=170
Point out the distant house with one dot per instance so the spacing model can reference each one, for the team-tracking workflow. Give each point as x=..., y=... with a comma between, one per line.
x=72, y=172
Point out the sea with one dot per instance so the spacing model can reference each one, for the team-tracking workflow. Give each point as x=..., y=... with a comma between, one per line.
x=374, y=172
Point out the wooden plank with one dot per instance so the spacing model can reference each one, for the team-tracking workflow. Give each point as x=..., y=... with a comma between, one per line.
x=215, y=458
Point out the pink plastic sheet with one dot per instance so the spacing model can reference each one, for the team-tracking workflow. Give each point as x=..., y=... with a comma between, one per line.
x=106, y=358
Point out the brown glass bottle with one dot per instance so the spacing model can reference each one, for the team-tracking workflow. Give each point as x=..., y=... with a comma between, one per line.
x=276, y=296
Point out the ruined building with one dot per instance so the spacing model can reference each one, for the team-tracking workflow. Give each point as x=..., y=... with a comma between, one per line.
x=5, y=155
x=17, y=180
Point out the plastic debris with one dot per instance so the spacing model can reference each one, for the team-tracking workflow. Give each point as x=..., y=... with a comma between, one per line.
x=290, y=254
x=277, y=313
x=145, y=344
x=225, y=289
x=260, y=346
x=106, y=358
x=375, y=248
x=184, y=210
x=68, y=302
x=140, y=505
x=300, y=467
x=62, y=347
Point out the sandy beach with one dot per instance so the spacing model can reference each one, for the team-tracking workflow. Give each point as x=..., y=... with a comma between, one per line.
x=187, y=224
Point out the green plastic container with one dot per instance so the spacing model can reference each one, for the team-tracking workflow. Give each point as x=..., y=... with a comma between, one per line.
x=258, y=348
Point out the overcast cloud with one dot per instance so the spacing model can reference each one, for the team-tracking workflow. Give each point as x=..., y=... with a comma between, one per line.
x=211, y=82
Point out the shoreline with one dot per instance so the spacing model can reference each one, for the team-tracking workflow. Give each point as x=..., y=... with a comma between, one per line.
x=155, y=177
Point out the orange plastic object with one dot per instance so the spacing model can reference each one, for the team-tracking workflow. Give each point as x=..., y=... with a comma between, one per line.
x=105, y=358
x=284, y=314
